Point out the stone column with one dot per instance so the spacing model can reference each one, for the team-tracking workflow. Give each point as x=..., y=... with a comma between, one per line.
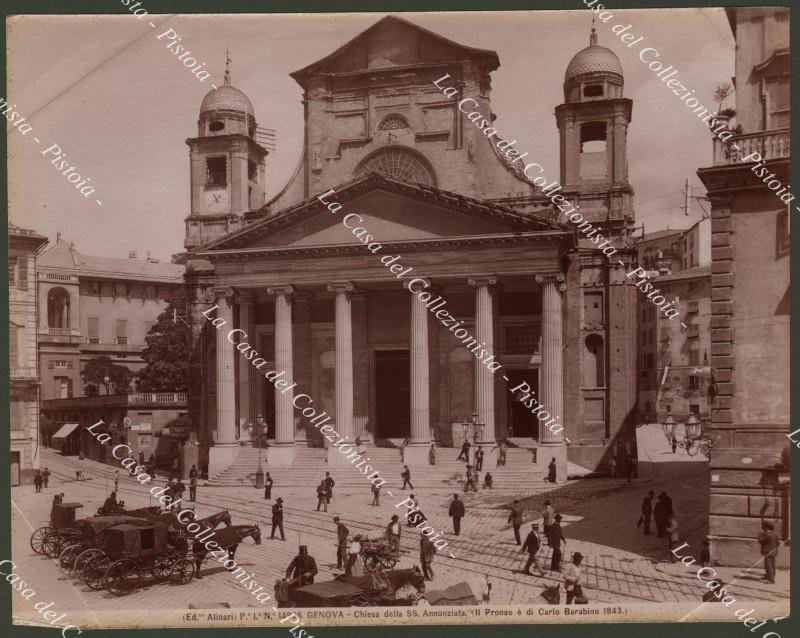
x=225, y=447
x=247, y=408
x=282, y=451
x=484, y=333
x=301, y=338
x=361, y=369
x=417, y=451
x=344, y=423
x=552, y=378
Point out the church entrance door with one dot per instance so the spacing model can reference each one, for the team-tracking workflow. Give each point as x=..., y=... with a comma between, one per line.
x=523, y=423
x=392, y=393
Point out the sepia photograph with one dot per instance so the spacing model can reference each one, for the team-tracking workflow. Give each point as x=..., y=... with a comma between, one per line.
x=399, y=318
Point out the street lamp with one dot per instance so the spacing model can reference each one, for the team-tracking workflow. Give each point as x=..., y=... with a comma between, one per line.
x=693, y=427
x=669, y=427
x=259, y=471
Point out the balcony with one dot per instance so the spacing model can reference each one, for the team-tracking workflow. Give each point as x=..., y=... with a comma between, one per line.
x=769, y=145
x=142, y=399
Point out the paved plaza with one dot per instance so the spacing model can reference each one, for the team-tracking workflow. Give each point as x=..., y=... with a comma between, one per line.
x=600, y=515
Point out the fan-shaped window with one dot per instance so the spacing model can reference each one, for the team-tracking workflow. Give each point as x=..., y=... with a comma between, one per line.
x=398, y=162
x=393, y=122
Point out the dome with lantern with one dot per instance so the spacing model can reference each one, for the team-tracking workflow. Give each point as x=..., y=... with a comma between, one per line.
x=226, y=110
x=596, y=68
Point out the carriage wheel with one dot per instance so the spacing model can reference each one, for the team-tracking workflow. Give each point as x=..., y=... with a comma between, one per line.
x=182, y=571
x=37, y=539
x=387, y=561
x=372, y=563
x=122, y=577
x=52, y=544
x=94, y=571
x=82, y=559
x=162, y=566
x=67, y=556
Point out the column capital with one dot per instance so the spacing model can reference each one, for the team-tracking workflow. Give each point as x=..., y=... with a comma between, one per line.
x=280, y=290
x=224, y=291
x=341, y=286
x=488, y=280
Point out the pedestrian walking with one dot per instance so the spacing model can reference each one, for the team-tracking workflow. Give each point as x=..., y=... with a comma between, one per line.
x=647, y=512
x=303, y=568
x=376, y=494
x=515, y=519
x=479, y=459
x=488, y=481
x=548, y=518
x=551, y=471
x=341, y=542
x=277, y=519
x=268, y=487
x=413, y=511
x=556, y=539
x=470, y=481
x=46, y=477
x=406, y=476
x=393, y=534
x=403, y=447
x=660, y=514
x=532, y=544
x=329, y=483
x=464, y=454
x=37, y=481
x=502, y=449
x=322, y=496
x=426, y=553
x=768, y=540
x=673, y=537
x=193, y=488
x=192, y=471
x=432, y=454
x=355, y=564
x=572, y=580
x=116, y=481
x=456, y=512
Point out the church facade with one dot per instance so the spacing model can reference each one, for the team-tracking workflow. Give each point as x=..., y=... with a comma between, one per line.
x=319, y=303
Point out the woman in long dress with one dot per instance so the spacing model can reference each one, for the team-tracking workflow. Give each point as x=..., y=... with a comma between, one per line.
x=355, y=562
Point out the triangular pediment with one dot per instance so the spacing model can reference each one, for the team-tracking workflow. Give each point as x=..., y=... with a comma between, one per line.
x=391, y=42
x=387, y=208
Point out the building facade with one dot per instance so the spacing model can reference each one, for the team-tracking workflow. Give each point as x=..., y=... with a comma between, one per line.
x=23, y=248
x=96, y=306
x=750, y=294
x=322, y=304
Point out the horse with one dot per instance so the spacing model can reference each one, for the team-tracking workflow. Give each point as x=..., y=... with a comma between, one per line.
x=228, y=539
x=378, y=588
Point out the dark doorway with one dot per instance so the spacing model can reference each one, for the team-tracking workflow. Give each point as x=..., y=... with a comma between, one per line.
x=523, y=423
x=392, y=394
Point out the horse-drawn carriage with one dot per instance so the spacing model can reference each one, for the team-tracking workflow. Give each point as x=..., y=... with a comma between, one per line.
x=49, y=540
x=380, y=588
x=92, y=541
x=132, y=548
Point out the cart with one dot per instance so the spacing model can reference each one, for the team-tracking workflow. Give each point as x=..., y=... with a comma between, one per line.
x=48, y=540
x=73, y=556
x=378, y=555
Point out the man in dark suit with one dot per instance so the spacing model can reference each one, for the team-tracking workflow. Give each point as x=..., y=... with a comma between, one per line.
x=556, y=538
x=769, y=547
x=647, y=511
x=532, y=545
x=277, y=519
x=515, y=519
x=268, y=487
x=341, y=546
x=303, y=567
x=456, y=512
x=426, y=552
x=406, y=476
x=329, y=483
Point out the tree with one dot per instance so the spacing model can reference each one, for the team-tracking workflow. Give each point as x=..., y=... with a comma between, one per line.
x=98, y=369
x=166, y=354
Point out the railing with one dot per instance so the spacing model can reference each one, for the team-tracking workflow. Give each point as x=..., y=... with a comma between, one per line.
x=153, y=399
x=62, y=332
x=769, y=145
x=157, y=397
x=60, y=277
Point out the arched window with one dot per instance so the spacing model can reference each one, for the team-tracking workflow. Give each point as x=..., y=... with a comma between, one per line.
x=393, y=122
x=58, y=308
x=398, y=162
x=594, y=362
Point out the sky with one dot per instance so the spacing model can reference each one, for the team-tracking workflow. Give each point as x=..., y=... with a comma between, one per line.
x=120, y=105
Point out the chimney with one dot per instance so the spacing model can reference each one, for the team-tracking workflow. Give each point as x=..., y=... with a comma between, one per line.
x=132, y=254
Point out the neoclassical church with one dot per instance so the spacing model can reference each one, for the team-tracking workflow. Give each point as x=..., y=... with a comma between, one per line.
x=431, y=188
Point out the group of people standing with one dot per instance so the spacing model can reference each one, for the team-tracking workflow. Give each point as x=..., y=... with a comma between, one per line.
x=41, y=479
x=664, y=516
x=552, y=532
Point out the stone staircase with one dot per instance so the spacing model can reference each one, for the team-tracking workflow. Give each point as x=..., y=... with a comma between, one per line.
x=310, y=465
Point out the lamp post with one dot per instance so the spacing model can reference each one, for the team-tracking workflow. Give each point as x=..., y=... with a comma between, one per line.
x=692, y=427
x=259, y=471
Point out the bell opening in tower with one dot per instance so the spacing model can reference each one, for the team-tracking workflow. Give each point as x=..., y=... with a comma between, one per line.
x=593, y=160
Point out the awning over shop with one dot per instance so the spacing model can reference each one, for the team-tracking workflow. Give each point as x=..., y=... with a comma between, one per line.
x=65, y=430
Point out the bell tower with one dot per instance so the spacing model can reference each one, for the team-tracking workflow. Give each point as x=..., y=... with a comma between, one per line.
x=593, y=127
x=226, y=164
